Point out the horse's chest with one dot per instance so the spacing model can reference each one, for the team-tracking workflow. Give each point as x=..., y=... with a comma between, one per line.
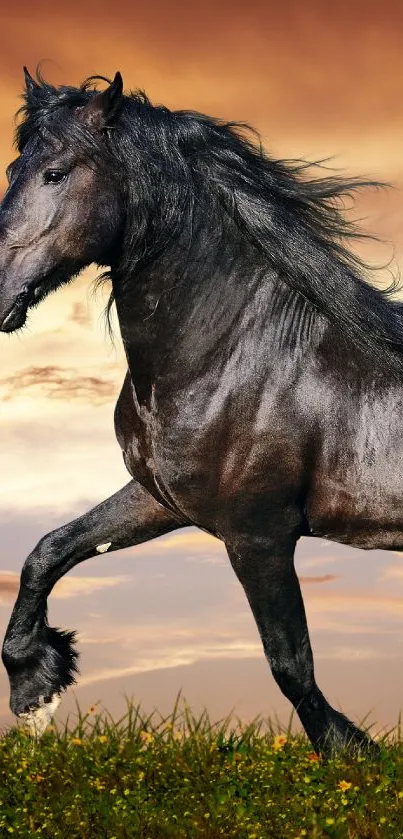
x=142, y=450
x=156, y=452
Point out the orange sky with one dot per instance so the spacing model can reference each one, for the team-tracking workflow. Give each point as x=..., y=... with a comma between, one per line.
x=297, y=71
x=316, y=80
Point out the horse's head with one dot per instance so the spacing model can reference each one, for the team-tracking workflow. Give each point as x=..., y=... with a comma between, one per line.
x=61, y=210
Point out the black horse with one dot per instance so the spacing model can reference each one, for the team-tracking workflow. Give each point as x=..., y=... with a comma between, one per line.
x=264, y=394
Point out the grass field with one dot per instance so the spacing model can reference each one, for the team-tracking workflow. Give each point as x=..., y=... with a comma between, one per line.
x=183, y=777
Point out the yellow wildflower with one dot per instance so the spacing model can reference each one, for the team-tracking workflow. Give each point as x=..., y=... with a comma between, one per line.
x=279, y=742
x=99, y=784
x=344, y=785
x=76, y=741
x=103, y=738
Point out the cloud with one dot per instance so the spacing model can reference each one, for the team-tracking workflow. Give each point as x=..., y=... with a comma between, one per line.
x=190, y=544
x=356, y=600
x=67, y=587
x=165, y=657
x=165, y=649
x=356, y=654
x=319, y=560
x=393, y=572
x=60, y=459
x=325, y=578
x=80, y=314
x=56, y=382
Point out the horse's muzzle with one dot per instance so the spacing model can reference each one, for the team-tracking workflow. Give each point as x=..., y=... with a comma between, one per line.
x=16, y=316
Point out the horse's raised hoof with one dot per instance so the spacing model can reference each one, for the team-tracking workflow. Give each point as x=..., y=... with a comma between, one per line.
x=39, y=676
x=37, y=717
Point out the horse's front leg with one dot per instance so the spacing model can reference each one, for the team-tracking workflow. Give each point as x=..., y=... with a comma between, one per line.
x=41, y=661
x=265, y=567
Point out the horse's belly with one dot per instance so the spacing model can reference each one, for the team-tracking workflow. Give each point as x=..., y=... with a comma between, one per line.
x=364, y=514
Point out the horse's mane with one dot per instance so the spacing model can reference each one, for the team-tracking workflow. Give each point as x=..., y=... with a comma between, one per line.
x=294, y=217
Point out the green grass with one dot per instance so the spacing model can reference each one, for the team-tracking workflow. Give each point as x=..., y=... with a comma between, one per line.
x=183, y=777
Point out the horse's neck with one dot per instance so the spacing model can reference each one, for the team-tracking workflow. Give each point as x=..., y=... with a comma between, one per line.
x=203, y=297
x=199, y=285
x=185, y=314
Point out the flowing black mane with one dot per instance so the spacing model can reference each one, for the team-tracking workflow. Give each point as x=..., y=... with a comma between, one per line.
x=167, y=159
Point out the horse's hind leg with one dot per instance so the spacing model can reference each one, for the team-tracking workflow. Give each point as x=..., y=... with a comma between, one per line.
x=40, y=661
x=265, y=567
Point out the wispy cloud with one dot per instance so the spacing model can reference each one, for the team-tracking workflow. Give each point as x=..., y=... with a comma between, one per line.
x=56, y=382
x=319, y=561
x=79, y=314
x=393, y=572
x=166, y=657
x=168, y=650
x=67, y=587
x=354, y=600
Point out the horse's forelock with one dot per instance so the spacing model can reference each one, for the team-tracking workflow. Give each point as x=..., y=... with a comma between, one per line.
x=43, y=102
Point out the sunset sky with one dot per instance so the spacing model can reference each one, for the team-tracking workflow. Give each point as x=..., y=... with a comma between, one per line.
x=317, y=80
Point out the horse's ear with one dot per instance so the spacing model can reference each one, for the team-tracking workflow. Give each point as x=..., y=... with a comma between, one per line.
x=102, y=108
x=30, y=83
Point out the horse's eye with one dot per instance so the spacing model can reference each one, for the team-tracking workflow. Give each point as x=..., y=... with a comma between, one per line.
x=54, y=176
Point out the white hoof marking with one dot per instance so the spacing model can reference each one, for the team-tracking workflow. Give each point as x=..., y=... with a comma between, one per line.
x=101, y=549
x=37, y=721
